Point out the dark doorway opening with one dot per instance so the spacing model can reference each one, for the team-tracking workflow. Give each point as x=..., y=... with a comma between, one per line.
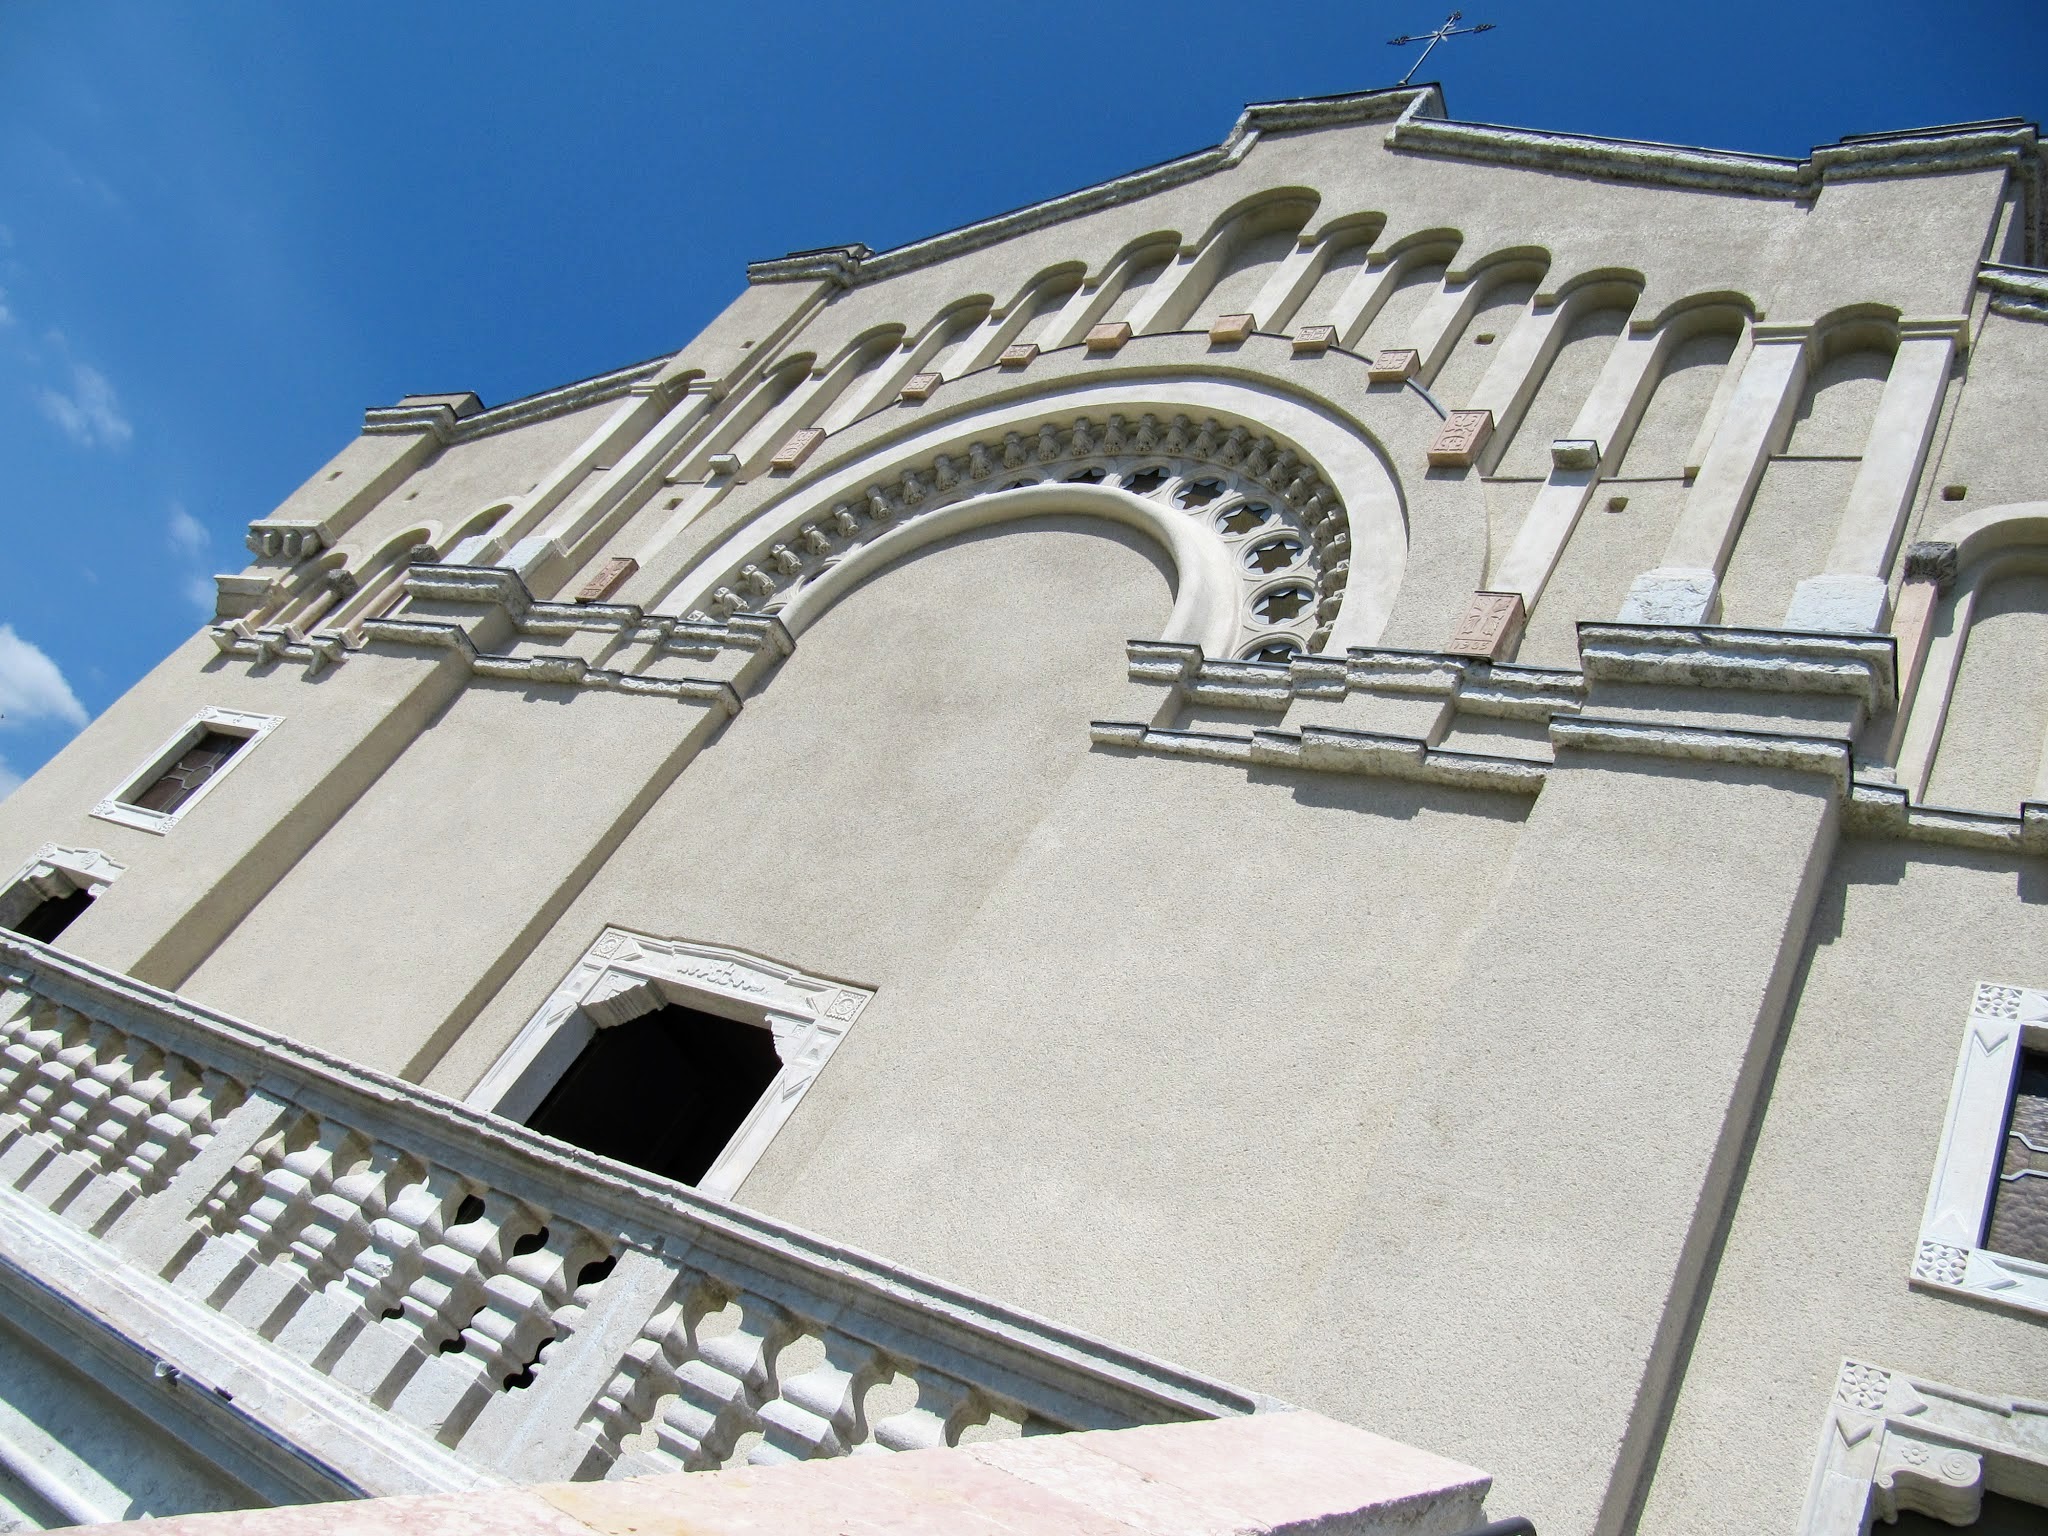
x=50, y=917
x=663, y=1092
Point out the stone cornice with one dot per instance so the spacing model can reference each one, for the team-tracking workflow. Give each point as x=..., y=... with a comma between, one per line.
x=1420, y=128
x=1705, y=744
x=2020, y=292
x=430, y=415
x=1770, y=661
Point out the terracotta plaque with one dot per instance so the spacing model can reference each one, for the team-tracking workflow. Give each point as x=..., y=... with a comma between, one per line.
x=1225, y=329
x=919, y=386
x=1395, y=366
x=1314, y=340
x=797, y=449
x=609, y=578
x=1018, y=356
x=1492, y=623
x=1460, y=438
x=1109, y=336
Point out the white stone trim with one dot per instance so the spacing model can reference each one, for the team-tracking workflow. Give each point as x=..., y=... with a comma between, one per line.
x=1893, y=1442
x=1950, y=1257
x=55, y=873
x=117, y=808
x=625, y=974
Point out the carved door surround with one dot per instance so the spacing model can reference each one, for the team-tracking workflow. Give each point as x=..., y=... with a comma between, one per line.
x=1893, y=1443
x=624, y=975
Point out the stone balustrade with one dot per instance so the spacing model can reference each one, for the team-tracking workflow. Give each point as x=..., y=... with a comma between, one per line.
x=416, y=1296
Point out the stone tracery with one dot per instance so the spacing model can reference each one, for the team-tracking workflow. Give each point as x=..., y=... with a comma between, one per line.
x=1287, y=533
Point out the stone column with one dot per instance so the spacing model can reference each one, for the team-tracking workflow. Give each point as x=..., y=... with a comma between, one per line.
x=1685, y=589
x=1850, y=594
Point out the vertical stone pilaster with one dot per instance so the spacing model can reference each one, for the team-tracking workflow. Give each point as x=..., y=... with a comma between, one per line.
x=1685, y=589
x=1850, y=594
x=1608, y=416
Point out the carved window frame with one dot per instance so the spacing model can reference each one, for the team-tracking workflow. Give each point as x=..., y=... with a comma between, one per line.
x=624, y=975
x=119, y=807
x=53, y=874
x=1951, y=1258
x=1893, y=1442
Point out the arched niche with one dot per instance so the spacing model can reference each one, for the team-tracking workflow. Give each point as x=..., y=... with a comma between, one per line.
x=1595, y=314
x=1322, y=482
x=1253, y=247
x=1850, y=361
x=1694, y=348
x=1796, y=511
x=1497, y=294
x=1413, y=272
x=1976, y=731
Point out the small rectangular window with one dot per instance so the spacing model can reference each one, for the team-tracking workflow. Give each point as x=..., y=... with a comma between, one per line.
x=2019, y=1200
x=1984, y=1233
x=195, y=765
x=184, y=769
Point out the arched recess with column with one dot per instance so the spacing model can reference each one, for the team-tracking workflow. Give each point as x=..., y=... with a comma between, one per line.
x=1342, y=247
x=1977, y=728
x=1650, y=411
x=1476, y=317
x=1249, y=246
x=1392, y=292
x=1590, y=314
x=1797, y=509
x=1284, y=523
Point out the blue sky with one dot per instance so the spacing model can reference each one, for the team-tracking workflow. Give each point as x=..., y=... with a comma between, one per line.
x=225, y=228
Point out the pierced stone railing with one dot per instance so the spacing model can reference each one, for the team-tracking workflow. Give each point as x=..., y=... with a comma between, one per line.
x=415, y=1295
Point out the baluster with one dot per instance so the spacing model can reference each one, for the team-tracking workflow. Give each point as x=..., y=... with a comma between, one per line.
x=926, y=1422
x=817, y=1412
x=720, y=1388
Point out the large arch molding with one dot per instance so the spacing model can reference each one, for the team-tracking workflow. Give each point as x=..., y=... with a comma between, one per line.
x=1283, y=523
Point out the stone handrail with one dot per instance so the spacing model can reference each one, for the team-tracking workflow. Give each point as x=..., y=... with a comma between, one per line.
x=517, y=1308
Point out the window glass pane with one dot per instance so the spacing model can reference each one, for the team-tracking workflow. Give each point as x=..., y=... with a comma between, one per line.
x=2019, y=1201
x=195, y=765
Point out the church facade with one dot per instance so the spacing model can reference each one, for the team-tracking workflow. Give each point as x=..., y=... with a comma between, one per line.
x=1396, y=767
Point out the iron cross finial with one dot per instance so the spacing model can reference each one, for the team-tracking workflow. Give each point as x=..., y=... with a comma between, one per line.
x=1450, y=28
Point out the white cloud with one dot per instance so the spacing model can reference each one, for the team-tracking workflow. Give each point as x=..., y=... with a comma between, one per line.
x=91, y=414
x=202, y=594
x=6, y=314
x=10, y=781
x=187, y=534
x=31, y=685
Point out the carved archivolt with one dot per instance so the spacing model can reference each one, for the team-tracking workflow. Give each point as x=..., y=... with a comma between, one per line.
x=1286, y=534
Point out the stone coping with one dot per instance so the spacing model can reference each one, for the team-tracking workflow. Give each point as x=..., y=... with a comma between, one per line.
x=1285, y=1473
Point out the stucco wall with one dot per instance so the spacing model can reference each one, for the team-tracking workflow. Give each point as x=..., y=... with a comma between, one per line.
x=1817, y=1256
